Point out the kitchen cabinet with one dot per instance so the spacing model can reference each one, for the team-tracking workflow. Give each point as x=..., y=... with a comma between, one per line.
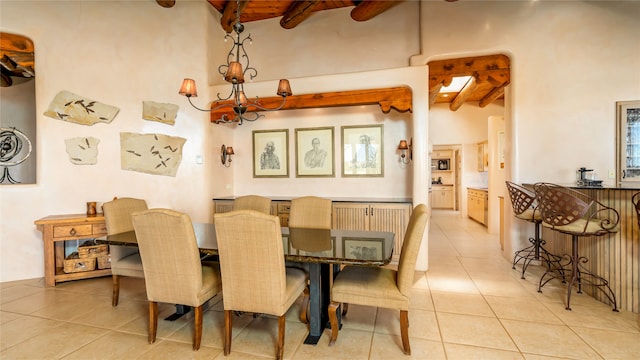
x=483, y=156
x=56, y=229
x=444, y=178
x=392, y=217
x=477, y=205
x=628, y=141
x=442, y=197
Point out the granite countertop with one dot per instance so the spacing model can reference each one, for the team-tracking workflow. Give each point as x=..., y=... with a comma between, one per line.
x=627, y=186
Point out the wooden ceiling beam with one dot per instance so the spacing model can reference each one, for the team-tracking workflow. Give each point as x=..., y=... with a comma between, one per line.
x=398, y=98
x=493, y=95
x=298, y=12
x=464, y=94
x=368, y=9
x=229, y=14
x=494, y=77
x=433, y=93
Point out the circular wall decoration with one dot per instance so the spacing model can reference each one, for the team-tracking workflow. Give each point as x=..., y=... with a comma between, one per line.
x=13, y=150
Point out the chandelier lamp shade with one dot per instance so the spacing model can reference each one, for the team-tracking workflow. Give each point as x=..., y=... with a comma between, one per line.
x=235, y=71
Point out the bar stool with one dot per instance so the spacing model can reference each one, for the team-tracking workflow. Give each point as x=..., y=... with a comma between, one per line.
x=525, y=207
x=571, y=212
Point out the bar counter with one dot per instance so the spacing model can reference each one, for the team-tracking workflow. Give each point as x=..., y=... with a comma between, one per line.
x=616, y=257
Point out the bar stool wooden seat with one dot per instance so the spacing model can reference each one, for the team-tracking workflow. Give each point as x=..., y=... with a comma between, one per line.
x=525, y=207
x=571, y=212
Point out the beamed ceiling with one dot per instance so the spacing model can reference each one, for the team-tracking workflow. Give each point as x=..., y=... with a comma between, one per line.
x=489, y=74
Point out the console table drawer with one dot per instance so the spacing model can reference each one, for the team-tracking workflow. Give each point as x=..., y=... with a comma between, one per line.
x=72, y=230
x=99, y=230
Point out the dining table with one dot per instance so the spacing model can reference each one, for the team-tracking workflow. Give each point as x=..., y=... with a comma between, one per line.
x=323, y=250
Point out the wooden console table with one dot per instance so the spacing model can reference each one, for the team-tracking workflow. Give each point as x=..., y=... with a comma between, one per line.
x=56, y=229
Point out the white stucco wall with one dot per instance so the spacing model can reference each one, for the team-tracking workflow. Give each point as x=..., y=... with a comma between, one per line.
x=570, y=62
x=125, y=52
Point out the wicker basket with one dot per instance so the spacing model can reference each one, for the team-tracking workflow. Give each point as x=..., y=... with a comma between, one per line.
x=104, y=261
x=92, y=251
x=73, y=264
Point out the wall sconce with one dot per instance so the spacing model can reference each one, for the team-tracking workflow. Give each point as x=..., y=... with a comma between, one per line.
x=405, y=148
x=225, y=155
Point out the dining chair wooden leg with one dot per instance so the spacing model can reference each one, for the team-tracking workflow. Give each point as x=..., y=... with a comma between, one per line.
x=228, y=317
x=404, y=331
x=333, y=320
x=345, y=308
x=197, y=334
x=153, y=321
x=304, y=309
x=116, y=290
x=281, y=329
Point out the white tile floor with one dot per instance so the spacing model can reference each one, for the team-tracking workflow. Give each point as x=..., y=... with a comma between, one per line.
x=469, y=305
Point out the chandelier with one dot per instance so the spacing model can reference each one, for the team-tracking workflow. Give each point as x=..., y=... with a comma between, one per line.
x=234, y=72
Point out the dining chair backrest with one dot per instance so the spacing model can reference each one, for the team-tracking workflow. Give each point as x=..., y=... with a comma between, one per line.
x=252, y=202
x=117, y=214
x=310, y=212
x=251, y=262
x=170, y=256
x=410, y=247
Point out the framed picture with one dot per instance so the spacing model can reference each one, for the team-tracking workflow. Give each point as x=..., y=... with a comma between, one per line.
x=324, y=253
x=362, y=151
x=271, y=153
x=314, y=152
x=363, y=249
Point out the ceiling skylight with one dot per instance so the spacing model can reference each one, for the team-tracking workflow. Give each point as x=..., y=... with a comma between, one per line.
x=457, y=83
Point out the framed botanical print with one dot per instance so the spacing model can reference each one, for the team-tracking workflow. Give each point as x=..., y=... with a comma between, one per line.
x=314, y=152
x=271, y=153
x=362, y=151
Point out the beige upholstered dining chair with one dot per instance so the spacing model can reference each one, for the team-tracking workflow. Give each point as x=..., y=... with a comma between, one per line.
x=382, y=287
x=308, y=212
x=172, y=267
x=254, y=277
x=253, y=202
x=125, y=260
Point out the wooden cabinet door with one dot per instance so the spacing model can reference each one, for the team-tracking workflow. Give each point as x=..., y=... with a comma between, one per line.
x=350, y=216
x=391, y=217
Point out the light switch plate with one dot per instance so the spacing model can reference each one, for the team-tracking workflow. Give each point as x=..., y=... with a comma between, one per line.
x=612, y=174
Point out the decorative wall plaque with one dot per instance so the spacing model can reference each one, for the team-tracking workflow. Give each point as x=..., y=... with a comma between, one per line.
x=155, y=154
x=74, y=108
x=83, y=150
x=161, y=112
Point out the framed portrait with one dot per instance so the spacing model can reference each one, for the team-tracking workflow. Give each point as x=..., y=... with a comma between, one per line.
x=271, y=153
x=363, y=249
x=362, y=151
x=314, y=152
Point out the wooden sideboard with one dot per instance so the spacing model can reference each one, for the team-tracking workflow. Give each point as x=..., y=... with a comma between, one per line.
x=56, y=229
x=350, y=215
